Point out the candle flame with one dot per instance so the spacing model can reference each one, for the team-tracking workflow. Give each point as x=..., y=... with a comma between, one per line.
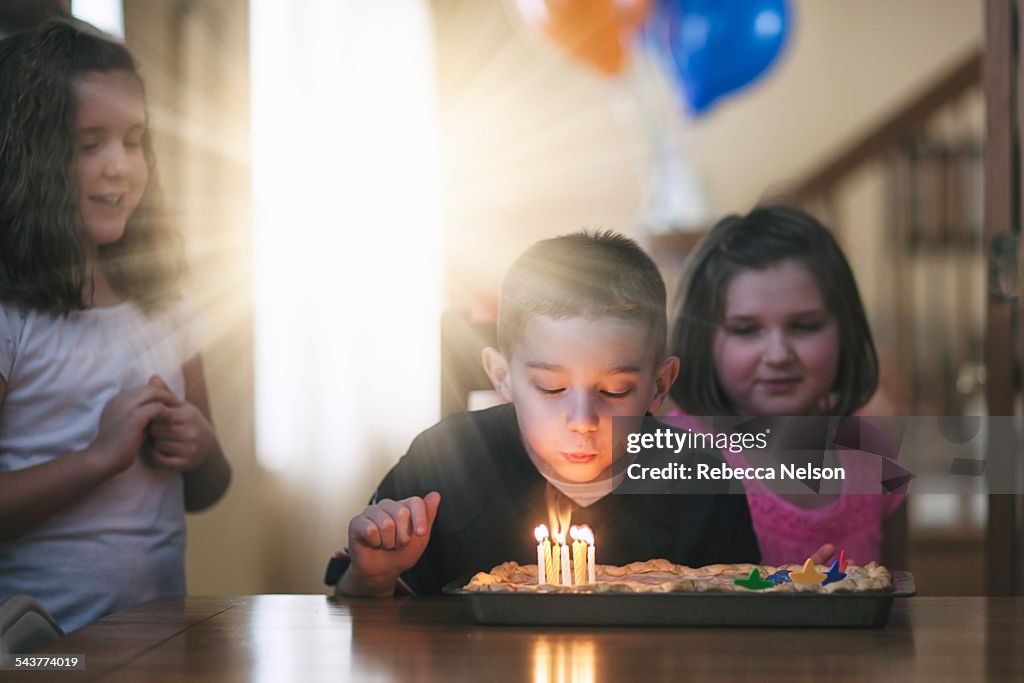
x=559, y=539
x=574, y=532
x=540, y=533
x=559, y=510
x=586, y=534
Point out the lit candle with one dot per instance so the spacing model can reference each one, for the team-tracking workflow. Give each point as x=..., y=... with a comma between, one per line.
x=550, y=562
x=579, y=557
x=541, y=534
x=586, y=535
x=564, y=552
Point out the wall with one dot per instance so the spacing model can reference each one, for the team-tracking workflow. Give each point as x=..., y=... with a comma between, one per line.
x=538, y=145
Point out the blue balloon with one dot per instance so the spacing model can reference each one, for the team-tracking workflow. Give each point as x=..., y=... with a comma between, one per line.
x=716, y=47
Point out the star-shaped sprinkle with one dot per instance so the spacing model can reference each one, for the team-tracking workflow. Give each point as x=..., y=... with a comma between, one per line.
x=753, y=582
x=808, y=576
x=781, y=576
x=834, y=574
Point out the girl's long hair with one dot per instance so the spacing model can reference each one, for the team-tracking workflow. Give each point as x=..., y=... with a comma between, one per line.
x=42, y=261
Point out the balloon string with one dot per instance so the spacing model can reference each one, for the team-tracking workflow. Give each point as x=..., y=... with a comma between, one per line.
x=673, y=196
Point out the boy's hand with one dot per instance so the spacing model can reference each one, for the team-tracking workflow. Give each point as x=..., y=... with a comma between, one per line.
x=386, y=539
x=123, y=425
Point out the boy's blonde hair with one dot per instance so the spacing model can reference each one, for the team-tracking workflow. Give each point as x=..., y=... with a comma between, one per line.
x=584, y=274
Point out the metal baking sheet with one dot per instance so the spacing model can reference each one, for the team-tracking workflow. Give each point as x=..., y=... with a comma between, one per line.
x=842, y=610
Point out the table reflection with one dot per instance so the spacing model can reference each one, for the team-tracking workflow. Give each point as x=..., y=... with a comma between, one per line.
x=311, y=638
x=564, y=660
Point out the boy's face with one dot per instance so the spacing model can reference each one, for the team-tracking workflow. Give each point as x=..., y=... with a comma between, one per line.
x=568, y=378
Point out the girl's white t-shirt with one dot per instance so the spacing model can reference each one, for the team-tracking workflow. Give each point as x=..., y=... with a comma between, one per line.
x=124, y=543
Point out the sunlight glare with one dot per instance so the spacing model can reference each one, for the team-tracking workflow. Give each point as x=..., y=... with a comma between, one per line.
x=106, y=15
x=347, y=244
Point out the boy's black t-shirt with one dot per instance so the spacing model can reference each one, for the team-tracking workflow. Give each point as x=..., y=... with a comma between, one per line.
x=492, y=498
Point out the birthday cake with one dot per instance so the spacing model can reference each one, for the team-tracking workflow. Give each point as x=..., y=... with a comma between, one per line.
x=661, y=576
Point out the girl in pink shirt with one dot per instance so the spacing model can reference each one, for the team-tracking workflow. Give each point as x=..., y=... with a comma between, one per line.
x=769, y=322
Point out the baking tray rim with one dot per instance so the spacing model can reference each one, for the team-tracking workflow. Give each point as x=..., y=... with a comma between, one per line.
x=903, y=586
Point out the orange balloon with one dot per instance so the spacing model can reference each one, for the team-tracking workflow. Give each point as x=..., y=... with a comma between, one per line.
x=598, y=32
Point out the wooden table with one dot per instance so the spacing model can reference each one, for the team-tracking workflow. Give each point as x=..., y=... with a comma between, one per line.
x=312, y=637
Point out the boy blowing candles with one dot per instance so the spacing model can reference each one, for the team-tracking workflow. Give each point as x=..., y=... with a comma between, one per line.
x=581, y=337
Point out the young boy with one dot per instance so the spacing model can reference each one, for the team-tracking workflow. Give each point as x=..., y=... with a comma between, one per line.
x=581, y=333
